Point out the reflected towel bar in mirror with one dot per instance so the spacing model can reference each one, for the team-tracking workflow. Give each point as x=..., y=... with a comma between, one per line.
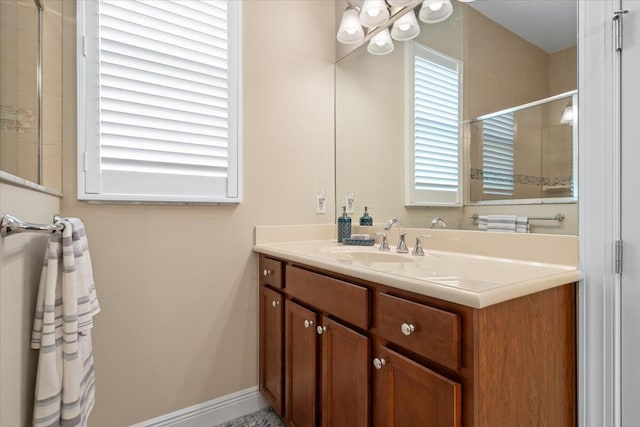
x=557, y=217
x=9, y=225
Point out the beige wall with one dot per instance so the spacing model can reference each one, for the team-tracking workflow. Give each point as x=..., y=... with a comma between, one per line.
x=21, y=259
x=178, y=284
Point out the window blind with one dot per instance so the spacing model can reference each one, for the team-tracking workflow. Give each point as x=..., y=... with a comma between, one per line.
x=436, y=120
x=497, y=155
x=166, y=115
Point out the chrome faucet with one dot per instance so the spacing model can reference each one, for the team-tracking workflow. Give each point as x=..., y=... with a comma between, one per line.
x=402, y=245
x=438, y=222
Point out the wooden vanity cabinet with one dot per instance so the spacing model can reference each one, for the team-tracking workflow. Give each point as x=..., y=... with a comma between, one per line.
x=360, y=354
x=409, y=394
x=271, y=308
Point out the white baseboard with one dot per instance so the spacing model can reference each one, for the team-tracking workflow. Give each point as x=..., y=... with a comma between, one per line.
x=213, y=412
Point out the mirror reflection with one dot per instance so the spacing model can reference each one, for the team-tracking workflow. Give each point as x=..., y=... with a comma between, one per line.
x=31, y=92
x=513, y=57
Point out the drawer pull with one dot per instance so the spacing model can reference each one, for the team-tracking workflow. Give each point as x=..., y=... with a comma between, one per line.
x=266, y=272
x=308, y=323
x=378, y=363
x=407, y=328
x=275, y=303
x=321, y=330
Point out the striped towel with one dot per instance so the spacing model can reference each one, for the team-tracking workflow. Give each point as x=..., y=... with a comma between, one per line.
x=504, y=223
x=65, y=308
x=522, y=224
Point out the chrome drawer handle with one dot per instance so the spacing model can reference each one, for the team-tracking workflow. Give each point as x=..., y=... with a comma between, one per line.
x=275, y=303
x=407, y=328
x=378, y=363
x=266, y=272
x=308, y=323
x=321, y=330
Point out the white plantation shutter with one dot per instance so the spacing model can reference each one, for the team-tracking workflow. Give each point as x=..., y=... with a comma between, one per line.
x=433, y=131
x=497, y=155
x=160, y=106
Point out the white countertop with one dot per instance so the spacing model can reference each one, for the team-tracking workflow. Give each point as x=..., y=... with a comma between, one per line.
x=469, y=279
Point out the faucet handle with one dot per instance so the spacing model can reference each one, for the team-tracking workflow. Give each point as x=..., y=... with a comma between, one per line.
x=402, y=245
x=418, y=251
x=384, y=245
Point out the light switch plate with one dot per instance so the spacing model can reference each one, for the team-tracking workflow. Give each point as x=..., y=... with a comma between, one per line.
x=321, y=203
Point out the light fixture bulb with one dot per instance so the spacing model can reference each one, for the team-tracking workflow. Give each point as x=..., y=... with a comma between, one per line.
x=406, y=27
x=381, y=43
x=374, y=13
x=434, y=11
x=567, y=115
x=350, y=31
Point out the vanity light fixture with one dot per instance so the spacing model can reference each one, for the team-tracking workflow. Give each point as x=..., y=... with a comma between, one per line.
x=567, y=115
x=434, y=11
x=400, y=3
x=381, y=43
x=405, y=28
x=374, y=13
x=350, y=31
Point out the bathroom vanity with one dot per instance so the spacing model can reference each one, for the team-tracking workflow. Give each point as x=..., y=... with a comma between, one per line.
x=349, y=337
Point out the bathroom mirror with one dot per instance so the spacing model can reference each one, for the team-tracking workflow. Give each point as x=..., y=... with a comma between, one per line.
x=31, y=93
x=518, y=76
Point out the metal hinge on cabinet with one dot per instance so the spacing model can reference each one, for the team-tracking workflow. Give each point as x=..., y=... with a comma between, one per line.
x=617, y=28
x=618, y=256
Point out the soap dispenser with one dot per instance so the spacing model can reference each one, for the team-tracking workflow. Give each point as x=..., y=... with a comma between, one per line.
x=344, y=226
x=366, y=219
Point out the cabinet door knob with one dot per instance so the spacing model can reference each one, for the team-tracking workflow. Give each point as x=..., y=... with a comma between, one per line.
x=308, y=323
x=275, y=303
x=378, y=363
x=321, y=330
x=407, y=328
x=266, y=272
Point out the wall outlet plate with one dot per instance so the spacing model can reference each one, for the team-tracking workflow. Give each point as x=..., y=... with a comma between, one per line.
x=349, y=202
x=321, y=203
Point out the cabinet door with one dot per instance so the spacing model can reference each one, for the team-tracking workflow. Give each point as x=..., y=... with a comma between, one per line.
x=345, y=376
x=407, y=394
x=271, y=347
x=300, y=364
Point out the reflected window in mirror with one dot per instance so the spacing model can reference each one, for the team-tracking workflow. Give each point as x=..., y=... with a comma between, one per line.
x=434, y=94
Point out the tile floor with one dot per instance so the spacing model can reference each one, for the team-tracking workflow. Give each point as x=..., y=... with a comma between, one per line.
x=263, y=418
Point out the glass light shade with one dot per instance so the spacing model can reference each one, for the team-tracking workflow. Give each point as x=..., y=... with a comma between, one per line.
x=381, y=43
x=567, y=115
x=406, y=27
x=433, y=11
x=374, y=13
x=399, y=3
x=350, y=31
x=465, y=1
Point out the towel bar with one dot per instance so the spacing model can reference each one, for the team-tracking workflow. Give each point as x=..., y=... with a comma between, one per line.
x=557, y=217
x=10, y=225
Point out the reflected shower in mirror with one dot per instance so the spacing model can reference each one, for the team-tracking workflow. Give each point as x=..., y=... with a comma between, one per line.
x=31, y=93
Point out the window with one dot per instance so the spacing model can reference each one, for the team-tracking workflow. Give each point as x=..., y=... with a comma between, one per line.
x=497, y=155
x=433, y=83
x=159, y=101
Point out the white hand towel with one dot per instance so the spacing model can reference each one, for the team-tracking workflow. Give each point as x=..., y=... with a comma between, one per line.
x=501, y=223
x=65, y=307
x=522, y=224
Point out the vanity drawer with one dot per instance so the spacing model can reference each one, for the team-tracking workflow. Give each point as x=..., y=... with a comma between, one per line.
x=428, y=331
x=270, y=272
x=347, y=301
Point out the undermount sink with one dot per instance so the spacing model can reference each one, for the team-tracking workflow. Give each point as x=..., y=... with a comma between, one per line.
x=367, y=256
